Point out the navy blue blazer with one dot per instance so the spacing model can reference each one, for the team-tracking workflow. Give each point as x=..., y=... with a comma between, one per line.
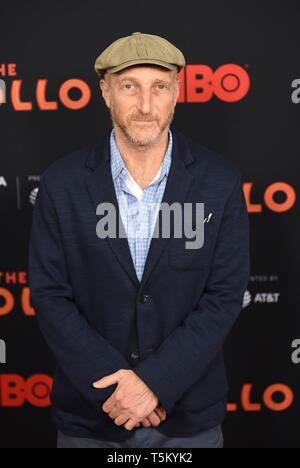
x=98, y=318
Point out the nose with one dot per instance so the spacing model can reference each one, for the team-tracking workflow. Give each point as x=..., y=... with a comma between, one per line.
x=145, y=102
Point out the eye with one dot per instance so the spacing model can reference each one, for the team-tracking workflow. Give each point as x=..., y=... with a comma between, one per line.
x=161, y=86
x=126, y=86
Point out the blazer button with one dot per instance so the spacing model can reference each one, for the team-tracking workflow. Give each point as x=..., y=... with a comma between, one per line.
x=135, y=355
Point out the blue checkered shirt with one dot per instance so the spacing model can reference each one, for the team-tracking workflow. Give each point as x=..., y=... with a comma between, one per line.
x=138, y=215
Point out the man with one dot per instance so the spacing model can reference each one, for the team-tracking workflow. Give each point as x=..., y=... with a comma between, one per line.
x=137, y=322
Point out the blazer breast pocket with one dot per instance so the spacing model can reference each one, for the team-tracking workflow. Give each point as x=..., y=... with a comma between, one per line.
x=182, y=258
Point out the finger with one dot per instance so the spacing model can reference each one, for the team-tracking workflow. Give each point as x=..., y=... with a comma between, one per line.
x=109, y=404
x=115, y=412
x=154, y=419
x=130, y=424
x=122, y=419
x=146, y=422
x=161, y=408
x=107, y=381
x=161, y=412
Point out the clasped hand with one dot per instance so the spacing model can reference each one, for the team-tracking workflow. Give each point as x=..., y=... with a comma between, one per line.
x=132, y=403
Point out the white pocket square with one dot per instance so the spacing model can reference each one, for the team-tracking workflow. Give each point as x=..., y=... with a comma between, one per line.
x=208, y=219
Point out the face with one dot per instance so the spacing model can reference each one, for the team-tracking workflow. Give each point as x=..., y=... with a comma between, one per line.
x=141, y=101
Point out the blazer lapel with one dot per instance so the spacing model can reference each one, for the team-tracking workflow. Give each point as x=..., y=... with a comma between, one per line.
x=177, y=188
x=100, y=186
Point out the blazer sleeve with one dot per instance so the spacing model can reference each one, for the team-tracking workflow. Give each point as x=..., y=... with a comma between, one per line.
x=187, y=352
x=81, y=352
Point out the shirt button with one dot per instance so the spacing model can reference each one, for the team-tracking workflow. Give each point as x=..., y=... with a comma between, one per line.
x=135, y=355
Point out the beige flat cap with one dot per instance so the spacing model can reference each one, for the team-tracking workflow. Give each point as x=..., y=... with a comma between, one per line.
x=139, y=49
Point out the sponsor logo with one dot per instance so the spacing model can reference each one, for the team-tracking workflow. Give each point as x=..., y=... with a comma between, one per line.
x=200, y=83
x=33, y=196
x=276, y=397
x=260, y=298
x=270, y=198
x=16, y=391
x=14, y=294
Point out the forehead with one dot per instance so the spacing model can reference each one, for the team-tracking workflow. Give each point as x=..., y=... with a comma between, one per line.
x=144, y=73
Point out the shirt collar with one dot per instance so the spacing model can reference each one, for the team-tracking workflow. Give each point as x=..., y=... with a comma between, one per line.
x=118, y=166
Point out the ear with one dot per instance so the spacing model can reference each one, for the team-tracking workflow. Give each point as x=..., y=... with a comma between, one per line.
x=105, y=92
x=178, y=90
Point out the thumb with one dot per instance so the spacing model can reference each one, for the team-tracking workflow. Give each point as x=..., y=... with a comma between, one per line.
x=107, y=381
